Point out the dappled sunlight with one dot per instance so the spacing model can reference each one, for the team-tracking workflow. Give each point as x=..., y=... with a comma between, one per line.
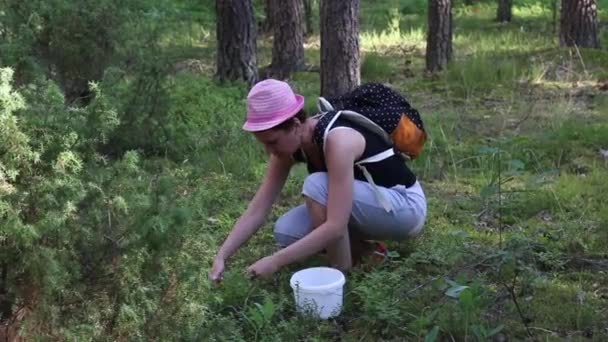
x=384, y=41
x=478, y=11
x=532, y=11
x=500, y=42
x=530, y=29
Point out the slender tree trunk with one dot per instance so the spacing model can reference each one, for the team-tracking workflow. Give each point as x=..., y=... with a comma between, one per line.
x=288, y=42
x=236, y=41
x=340, y=60
x=554, y=15
x=579, y=24
x=267, y=24
x=6, y=304
x=308, y=17
x=503, y=13
x=439, y=35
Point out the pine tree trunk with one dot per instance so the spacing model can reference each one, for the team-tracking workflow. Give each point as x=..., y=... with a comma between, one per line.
x=288, y=42
x=503, y=13
x=340, y=60
x=236, y=41
x=6, y=303
x=579, y=24
x=439, y=35
x=267, y=24
x=308, y=17
x=554, y=15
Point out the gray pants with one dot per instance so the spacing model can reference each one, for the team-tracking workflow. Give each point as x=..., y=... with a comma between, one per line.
x=368, y=218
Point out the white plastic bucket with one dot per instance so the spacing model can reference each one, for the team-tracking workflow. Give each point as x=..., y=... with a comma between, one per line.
x=318, y=291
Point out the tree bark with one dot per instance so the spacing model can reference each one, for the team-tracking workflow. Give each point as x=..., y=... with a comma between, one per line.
x=340, y=59
x=267, y=24
x=6, y=302
x=236, y=41
x=308, y=17
x=503, y=13
x=554, y=15
x=439, y=35
x=579, y=25
x=288, y=42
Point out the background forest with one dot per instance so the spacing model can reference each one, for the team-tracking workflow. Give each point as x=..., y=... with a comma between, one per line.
x=123, y=166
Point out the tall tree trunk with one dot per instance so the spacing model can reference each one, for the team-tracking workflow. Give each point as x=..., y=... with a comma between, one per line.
x=288, y=42
x=340, y=60
x=267, y=24
x=579, y=24
x=439, y=35
x=554, y=15
x=236, y=41
x=308, y=17
x=503, y=13
x=6, y=303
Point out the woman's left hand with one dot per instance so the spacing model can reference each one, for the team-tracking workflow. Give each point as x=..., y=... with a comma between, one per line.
x=264, y=267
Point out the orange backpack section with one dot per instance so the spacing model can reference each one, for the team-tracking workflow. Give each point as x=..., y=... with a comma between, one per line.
x=408, y=138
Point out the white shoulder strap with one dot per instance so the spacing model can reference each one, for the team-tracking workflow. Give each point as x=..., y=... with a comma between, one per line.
x=331, y=123
x=324, y=105
x=380, y=197
x=367, y=123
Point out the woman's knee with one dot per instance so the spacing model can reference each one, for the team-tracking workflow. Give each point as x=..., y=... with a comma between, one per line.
x=315, y=187
x=292, y=226
x=282, y=234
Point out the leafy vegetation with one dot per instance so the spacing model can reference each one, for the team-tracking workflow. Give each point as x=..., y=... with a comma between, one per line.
x=111, y=209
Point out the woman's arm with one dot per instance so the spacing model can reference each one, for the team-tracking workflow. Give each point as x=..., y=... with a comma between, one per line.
x=259, y=207
x=344, y=146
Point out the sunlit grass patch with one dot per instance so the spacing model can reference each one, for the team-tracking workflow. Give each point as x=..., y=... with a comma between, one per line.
x=385, y=40
x=500, y=41
x=485, y=73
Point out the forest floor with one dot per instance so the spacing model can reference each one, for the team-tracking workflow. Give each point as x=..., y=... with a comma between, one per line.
x=515, y=174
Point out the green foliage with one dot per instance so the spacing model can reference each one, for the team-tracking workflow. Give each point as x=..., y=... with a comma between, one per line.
x=14, y=142
x=376, y=68
x=413, y=7
x=119, y=43
x=43, y=187
x=381, y=309
x=578, y=309
x=76, y=40
x=205, y=121
x=485, y=74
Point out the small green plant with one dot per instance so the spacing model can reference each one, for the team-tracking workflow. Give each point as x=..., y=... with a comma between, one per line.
x=260, y=315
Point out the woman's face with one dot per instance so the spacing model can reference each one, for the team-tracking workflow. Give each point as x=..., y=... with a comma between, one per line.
x=280, y=142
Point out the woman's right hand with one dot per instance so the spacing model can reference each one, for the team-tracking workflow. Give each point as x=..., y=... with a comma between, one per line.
x=217, y=270
x=255, y=215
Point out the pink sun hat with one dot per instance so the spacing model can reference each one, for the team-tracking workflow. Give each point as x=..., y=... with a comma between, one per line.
x=269, y=103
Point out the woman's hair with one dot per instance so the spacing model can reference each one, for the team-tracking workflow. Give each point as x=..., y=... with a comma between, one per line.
x=287, y=125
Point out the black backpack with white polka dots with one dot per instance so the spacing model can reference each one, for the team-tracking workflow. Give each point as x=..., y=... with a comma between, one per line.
x=385, y=112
